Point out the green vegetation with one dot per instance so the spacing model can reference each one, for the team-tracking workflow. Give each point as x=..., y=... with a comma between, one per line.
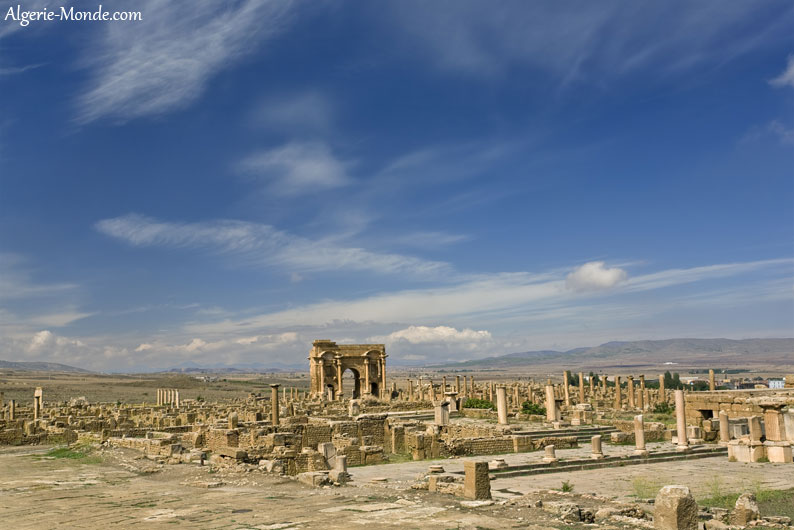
x=770, y=502
x=567, y=487
x=474, y=403
x=532, y=408
x=663, y=408
x=81, y=453
x=645, y=488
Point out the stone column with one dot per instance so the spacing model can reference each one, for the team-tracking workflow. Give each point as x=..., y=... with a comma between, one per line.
x=725, y=432
x=680, y=421
x=477, y=482
x=640, y=400
x=516, y=398
x=176, y=398
x=321, y=367
x=339, y=389
x=630, y=387
x=443, y=385
x=618, y=396
x=12, y=409
x=501, y=405
x=592, y=391
x=274, y=403
x=457, y=384
x=471, y=384
x=37, y=401
x=639, y=436
x=551, y=404
x=662, y=393
x=432, y=391
x=712, y=383
x=382, y=385
x=366, y=377
x=410, y=390
x=565, y=376
x=581, y=387
x=596, y=452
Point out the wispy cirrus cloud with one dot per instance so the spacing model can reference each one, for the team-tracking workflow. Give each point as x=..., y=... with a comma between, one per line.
x=297, y=168
x=482, y=299
x=585, y=40
x=786, y=77
x=164, y=62
x=260, y=244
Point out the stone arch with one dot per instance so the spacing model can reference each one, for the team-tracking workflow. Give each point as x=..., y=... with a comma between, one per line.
x=329, y=361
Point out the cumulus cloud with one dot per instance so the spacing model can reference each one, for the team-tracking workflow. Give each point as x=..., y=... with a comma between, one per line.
x=433, y=335
x=786, y=78
x=594, y=276
x=297, y=168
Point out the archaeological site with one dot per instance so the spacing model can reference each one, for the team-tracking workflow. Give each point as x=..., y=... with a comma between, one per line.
x=434, y=449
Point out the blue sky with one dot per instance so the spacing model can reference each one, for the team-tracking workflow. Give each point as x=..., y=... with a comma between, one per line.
x=224, y=182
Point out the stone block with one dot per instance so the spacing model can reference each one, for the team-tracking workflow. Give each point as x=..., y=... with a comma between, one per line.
x=477, y=483
x=675, y=509
x=745, y=510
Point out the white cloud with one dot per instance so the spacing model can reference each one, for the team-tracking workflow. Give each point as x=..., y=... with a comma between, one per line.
x=786, y=78
x=582, y=41
x=784, y=134
x=46, y=341
x=16, y=281
x=297, y=168
x=59, y=319
x=483, y=298
x=594, y=276
x=165, y=61
x=432, y=335
x=262, y=244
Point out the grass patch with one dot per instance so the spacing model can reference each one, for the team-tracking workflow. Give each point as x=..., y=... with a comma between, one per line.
x=770, y=502
x=645, y=488
x=79, y=453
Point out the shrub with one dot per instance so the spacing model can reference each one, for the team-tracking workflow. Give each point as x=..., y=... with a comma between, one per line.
x=474, y=403
x=663, y=408
x=532, y=408
x=567, y=487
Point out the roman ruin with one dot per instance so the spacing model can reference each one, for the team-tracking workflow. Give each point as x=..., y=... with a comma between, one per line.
x=476, y=438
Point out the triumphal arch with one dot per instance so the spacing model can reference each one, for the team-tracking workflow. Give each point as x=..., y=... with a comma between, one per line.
x=328, y=361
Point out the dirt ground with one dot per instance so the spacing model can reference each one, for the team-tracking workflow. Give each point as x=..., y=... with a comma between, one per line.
x=120, y=489
x=127, y=491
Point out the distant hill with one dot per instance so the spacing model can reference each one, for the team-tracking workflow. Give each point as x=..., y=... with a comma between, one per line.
x=695, y=352
x=41, y=367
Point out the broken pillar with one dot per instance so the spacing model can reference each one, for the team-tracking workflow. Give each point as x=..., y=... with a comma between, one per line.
x=596, y=452
x=442, y=414
x=725, y=433
x=274, y=404
x=477, y=482
x=639, y=436
x=675, y=509
x=501, y=405
x=551, y=404
x=550, y=455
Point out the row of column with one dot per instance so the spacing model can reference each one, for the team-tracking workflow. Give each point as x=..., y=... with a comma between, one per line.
x=168, y=396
